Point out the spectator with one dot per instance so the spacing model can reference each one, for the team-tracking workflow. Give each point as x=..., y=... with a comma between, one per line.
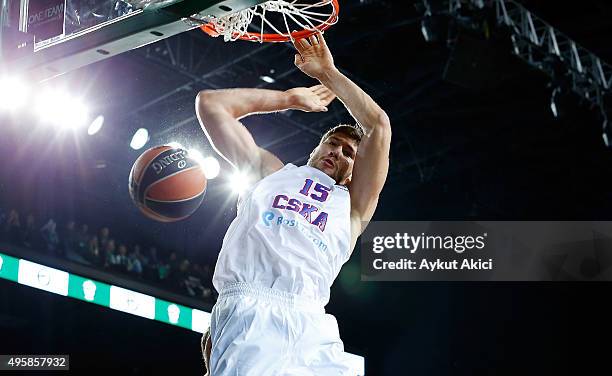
x=83, y=239
x=93, y=254
x=104, y=237
x=207, y=273
x=134, y=264
x=12, y=227
x=163, y=270
x=138, y=252
x=206, y=276
x=196, y=270
x=173, y=262
x=121, y=259
x=109, y=253
x=193, y=283
x=207, y=293
x=150, y=264
x=29, y=234
x=184, y=267
x=170, y=268
x=151, y=258
x=70, y=239
x=49, y=235
x=179, y=275
x=79, y=245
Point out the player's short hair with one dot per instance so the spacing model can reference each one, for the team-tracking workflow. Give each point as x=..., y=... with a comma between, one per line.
x=354, y=132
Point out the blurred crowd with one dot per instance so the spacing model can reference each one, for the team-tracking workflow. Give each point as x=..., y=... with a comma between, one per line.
x=100, y=249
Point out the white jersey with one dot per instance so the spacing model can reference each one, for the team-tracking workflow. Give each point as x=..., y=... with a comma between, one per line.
x=292, y=233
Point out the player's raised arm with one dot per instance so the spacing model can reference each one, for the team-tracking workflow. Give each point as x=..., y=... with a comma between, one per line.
x=371, y=163
x=219, y=111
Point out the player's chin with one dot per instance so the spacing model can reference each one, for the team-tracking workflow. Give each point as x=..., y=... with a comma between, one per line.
x=331, y=171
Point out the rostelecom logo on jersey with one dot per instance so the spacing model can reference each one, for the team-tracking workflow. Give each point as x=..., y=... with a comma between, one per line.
x=272, y=219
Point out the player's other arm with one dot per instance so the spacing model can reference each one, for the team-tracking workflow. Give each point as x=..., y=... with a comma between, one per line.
x=371, y=163
x=219, y=112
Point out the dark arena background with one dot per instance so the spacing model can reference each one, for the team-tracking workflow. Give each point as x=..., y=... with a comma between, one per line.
x=474, y=138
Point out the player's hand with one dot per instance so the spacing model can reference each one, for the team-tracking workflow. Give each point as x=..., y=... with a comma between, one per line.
x=314, y=57
x=310, y=99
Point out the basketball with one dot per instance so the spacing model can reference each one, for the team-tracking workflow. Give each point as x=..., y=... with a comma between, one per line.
x=166, y=184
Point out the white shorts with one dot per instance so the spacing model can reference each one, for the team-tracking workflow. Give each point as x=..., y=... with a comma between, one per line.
x=260, y=331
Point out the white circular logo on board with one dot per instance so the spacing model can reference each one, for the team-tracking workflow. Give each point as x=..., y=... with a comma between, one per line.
x=89, y=290
x=43, y=277
x=182, y=164
x=131, y=304
x=1, y=261
x=173, y=313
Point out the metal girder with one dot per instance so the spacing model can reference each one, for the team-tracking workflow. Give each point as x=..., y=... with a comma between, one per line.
x=206, y=81
x=583, y=64
x=215, y=77
x=536, y=42
x=203, y=79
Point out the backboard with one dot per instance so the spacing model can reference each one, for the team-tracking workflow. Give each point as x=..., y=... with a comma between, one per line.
x=42, y=39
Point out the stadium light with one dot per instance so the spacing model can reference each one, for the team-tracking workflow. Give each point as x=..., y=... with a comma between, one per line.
x=77, y=114
x=60, y=109
x=141, y=137
x=196, y=155
x=96, y=125
x=239, y=182
x=13, y=93
x=267, y=79
x=210, y=165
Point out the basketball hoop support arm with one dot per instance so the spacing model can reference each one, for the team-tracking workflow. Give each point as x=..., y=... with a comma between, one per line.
x=122, y=34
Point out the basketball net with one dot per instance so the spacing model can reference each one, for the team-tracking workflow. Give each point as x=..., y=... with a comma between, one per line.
x=270, y=21
x=273, y=21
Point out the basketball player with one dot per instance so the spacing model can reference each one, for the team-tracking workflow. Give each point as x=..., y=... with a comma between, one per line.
x=295, y=227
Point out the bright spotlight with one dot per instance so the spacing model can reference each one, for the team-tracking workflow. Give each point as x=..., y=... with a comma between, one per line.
x=196, y=155
x=96, y=125
x=141, y=137
x=13, y=93
x=76, y=115
x=267, y=79
x=239, y=182
x=50, y=105
x=59, y=108
x=211, y=167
